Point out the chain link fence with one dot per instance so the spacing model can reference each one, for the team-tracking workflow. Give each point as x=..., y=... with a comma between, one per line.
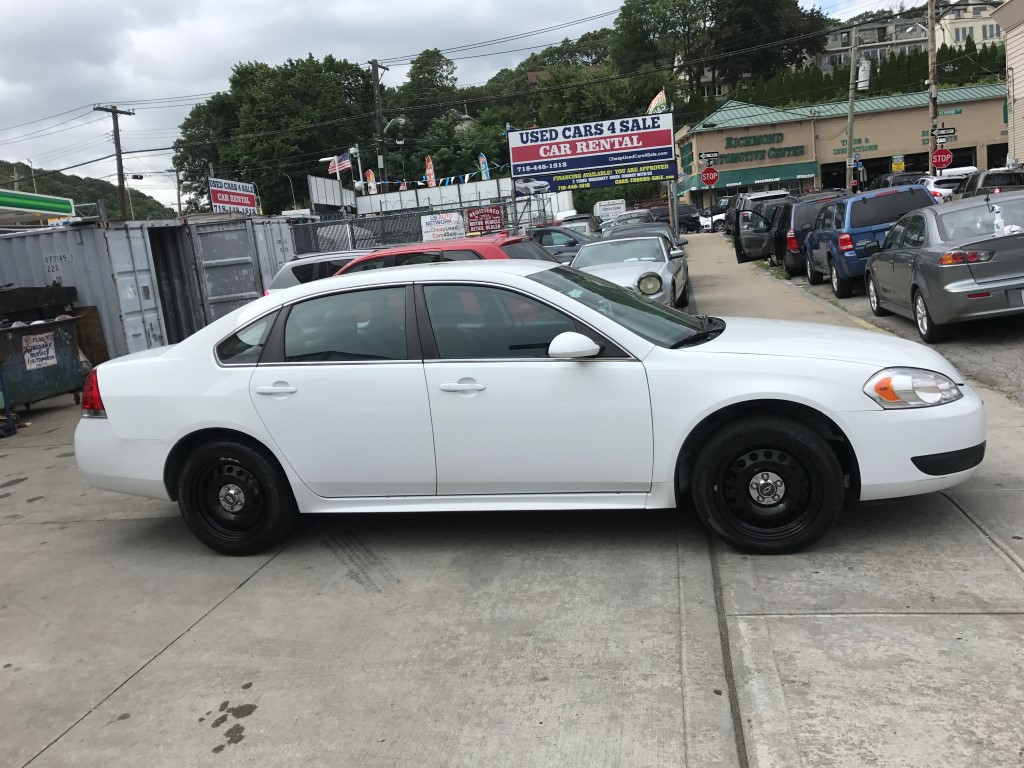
x=400, y=227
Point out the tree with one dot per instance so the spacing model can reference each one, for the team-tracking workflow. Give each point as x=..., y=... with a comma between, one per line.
x=430, y=91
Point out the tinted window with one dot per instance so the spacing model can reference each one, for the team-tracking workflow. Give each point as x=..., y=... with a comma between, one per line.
x=687, y=209
x=331, y=266
x=1004, y=179
x=557, y=238
x=892, y=240
x=972, y=183
x=357, y=325
x=526, y=249
x=805, y=214
x=426, y=257
x=304, y=272
x=461, y=255
x=914, y=236
x=840, y=215
x=872, y=211
x=245, y=347
x=369, y=264
x=474, y=322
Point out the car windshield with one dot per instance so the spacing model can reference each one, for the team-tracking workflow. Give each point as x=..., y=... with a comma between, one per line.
x=648, y=319
x=618, y=252
x=886, y=207
x=979, y=220
x=526, y=249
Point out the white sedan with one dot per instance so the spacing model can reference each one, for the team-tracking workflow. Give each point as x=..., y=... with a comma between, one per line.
x=521, y=385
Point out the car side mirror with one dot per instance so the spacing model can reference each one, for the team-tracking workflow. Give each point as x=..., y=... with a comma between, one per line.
x=572, y=346
x=872, y=246
x=683, y=241
x=676, y=253
x=571, y=242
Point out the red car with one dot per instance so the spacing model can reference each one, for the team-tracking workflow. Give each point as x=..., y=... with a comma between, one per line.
x=498, y=246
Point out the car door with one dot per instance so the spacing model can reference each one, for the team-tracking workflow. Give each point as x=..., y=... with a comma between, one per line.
x=816, y=243
x=904, y=258
x=754, y=239
x=510, y=420
x=881, y=262
x=341, y=392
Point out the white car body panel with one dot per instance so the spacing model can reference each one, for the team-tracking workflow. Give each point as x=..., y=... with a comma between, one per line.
x=557, y=441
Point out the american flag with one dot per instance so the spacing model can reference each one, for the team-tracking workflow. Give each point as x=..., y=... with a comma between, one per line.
x=341, y=163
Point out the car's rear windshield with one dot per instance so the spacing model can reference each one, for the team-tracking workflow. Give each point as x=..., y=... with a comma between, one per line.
x=806, y=214
x=964, y=223
x=886, y=207
x=948, y=183
x=526, y=249
x=1004, y=179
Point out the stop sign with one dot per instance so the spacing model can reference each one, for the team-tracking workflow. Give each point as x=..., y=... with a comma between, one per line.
x=942, y=158
x=710, y=176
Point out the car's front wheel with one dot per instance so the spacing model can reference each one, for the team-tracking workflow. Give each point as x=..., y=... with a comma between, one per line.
x=768, y=485
x=718, y=226
x=235, y=499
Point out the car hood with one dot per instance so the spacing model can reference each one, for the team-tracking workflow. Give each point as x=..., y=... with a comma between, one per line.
x=625, y=274
x=784, y=338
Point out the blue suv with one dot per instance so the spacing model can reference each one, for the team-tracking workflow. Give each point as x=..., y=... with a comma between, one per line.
x=835, y=246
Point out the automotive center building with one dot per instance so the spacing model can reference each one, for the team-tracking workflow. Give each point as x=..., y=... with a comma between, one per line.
x=804, y=148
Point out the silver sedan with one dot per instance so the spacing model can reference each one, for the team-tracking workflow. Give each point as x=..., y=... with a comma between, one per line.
x=945, y=264
x=644, y=264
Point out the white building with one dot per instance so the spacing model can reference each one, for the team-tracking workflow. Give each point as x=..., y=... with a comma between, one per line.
x=1011, y=18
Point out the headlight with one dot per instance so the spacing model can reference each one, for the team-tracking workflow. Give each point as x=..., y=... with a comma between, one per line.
x=911, y=388
x=649, y=284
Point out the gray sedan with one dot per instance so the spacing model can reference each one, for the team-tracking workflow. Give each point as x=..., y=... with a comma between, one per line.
x=644, y=264
x=945, y=264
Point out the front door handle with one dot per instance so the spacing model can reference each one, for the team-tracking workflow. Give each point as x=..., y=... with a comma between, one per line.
x=276, y=389
x=463, y=386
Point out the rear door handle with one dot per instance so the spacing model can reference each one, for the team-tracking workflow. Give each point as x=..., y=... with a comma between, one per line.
x=463, y=387
x=277, y=389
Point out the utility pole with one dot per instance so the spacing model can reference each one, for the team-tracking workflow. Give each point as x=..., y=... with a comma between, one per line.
x=849, y=110
x=177, y=187
x=378, y=118
x=32, y=168
x=122, y=191
x=14, y=171
x=933, y=86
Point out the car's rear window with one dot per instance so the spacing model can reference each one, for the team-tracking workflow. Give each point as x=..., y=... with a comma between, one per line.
x=1003, y=179
x=806, y=214
x=887, y=207
x=526, y=249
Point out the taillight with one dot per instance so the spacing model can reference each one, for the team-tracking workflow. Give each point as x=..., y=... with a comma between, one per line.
x=845, y=242
x=996, y=191
x=266, y=292
x=936, y=193
x=952, y=258
x=791, y=243
x=92, y=403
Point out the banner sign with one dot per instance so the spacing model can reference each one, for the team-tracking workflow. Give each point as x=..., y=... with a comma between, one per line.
x=486, y=219
x=233, y=196
x=485, y=170
x=442, y=226
x=610, y=177
x=632, y=141
x=371, y=182
x=429, y=172
x=39, y=351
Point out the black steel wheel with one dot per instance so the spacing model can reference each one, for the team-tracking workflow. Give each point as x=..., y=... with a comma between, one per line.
x=235, y=499
x=768, y=485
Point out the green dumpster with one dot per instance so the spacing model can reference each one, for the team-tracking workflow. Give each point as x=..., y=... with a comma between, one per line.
x=40, y=361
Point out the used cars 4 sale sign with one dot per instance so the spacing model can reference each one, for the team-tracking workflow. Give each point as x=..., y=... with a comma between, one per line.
x=598, y=154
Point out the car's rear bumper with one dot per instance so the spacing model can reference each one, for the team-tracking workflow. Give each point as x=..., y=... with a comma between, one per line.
x=968, y=300
x=890, y=447
x=112, y=463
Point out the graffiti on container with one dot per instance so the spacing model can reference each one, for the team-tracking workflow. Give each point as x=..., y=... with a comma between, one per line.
x=39, y=351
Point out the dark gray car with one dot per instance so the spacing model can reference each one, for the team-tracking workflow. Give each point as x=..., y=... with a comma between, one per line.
x=950, y=263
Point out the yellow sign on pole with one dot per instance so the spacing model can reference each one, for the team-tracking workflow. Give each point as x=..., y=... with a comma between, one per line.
x=898, y=165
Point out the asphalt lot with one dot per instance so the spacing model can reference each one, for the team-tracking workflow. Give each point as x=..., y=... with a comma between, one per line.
x=538, y=639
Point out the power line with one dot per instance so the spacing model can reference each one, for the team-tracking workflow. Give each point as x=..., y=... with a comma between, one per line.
x=46, y=132
x=44, y=119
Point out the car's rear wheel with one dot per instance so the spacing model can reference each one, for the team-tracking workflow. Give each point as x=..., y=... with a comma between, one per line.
x=814, y=277
x=876, y=307
x=718, y=226
x=926, y=327
x=235, y=499
x=842, y=287
x=768, y=485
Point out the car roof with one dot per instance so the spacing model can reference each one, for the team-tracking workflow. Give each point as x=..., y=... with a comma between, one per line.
x=656, y=238
x=969, y=202
x=330, y=255
x=881, y=192
x=496, y=238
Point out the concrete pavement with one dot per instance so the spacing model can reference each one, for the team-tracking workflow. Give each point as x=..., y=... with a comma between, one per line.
x=573, y=639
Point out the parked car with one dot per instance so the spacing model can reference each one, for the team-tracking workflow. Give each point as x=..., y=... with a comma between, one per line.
x=836, y=245
x=993, y=181
x=310, y=267
x=560, y=242
x=646, y=230
x=521, y=384
x=744, y=203
x=660, y=213
x=529, y=186
x=714, y=223
x=648, y=265
x=586, y=223
x=941, y=187
x=641, y=216
x=498, y=246
x=901, y=178
x=960, y=261
x=784, y=232
x=689, y=217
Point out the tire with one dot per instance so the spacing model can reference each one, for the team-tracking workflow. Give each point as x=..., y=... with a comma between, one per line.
x=930, y=332
x=223, y=474
x=718, y=226
x=768, y=450
x=842, y=287
x=684, y=300
x=869, y=287
x=814, y=277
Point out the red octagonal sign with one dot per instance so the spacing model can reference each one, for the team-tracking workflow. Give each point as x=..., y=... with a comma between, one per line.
x=942, y=158
x=710, y=176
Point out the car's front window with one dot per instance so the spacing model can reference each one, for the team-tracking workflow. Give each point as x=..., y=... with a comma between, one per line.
x=648, y=319
x=619, y=252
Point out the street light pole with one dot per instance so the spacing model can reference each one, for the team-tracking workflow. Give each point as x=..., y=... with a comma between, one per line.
x=294, y=205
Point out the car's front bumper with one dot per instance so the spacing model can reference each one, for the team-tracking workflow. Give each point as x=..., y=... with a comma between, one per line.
x=889, y=446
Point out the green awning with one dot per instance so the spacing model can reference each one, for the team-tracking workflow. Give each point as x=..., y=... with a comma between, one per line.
x=31, y=203
x=746, y=177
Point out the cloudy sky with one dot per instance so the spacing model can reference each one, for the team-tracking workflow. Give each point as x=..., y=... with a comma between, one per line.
x=159, y=58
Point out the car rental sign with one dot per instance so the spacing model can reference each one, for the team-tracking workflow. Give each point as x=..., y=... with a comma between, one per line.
x=598, y=154
x=233, y=197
